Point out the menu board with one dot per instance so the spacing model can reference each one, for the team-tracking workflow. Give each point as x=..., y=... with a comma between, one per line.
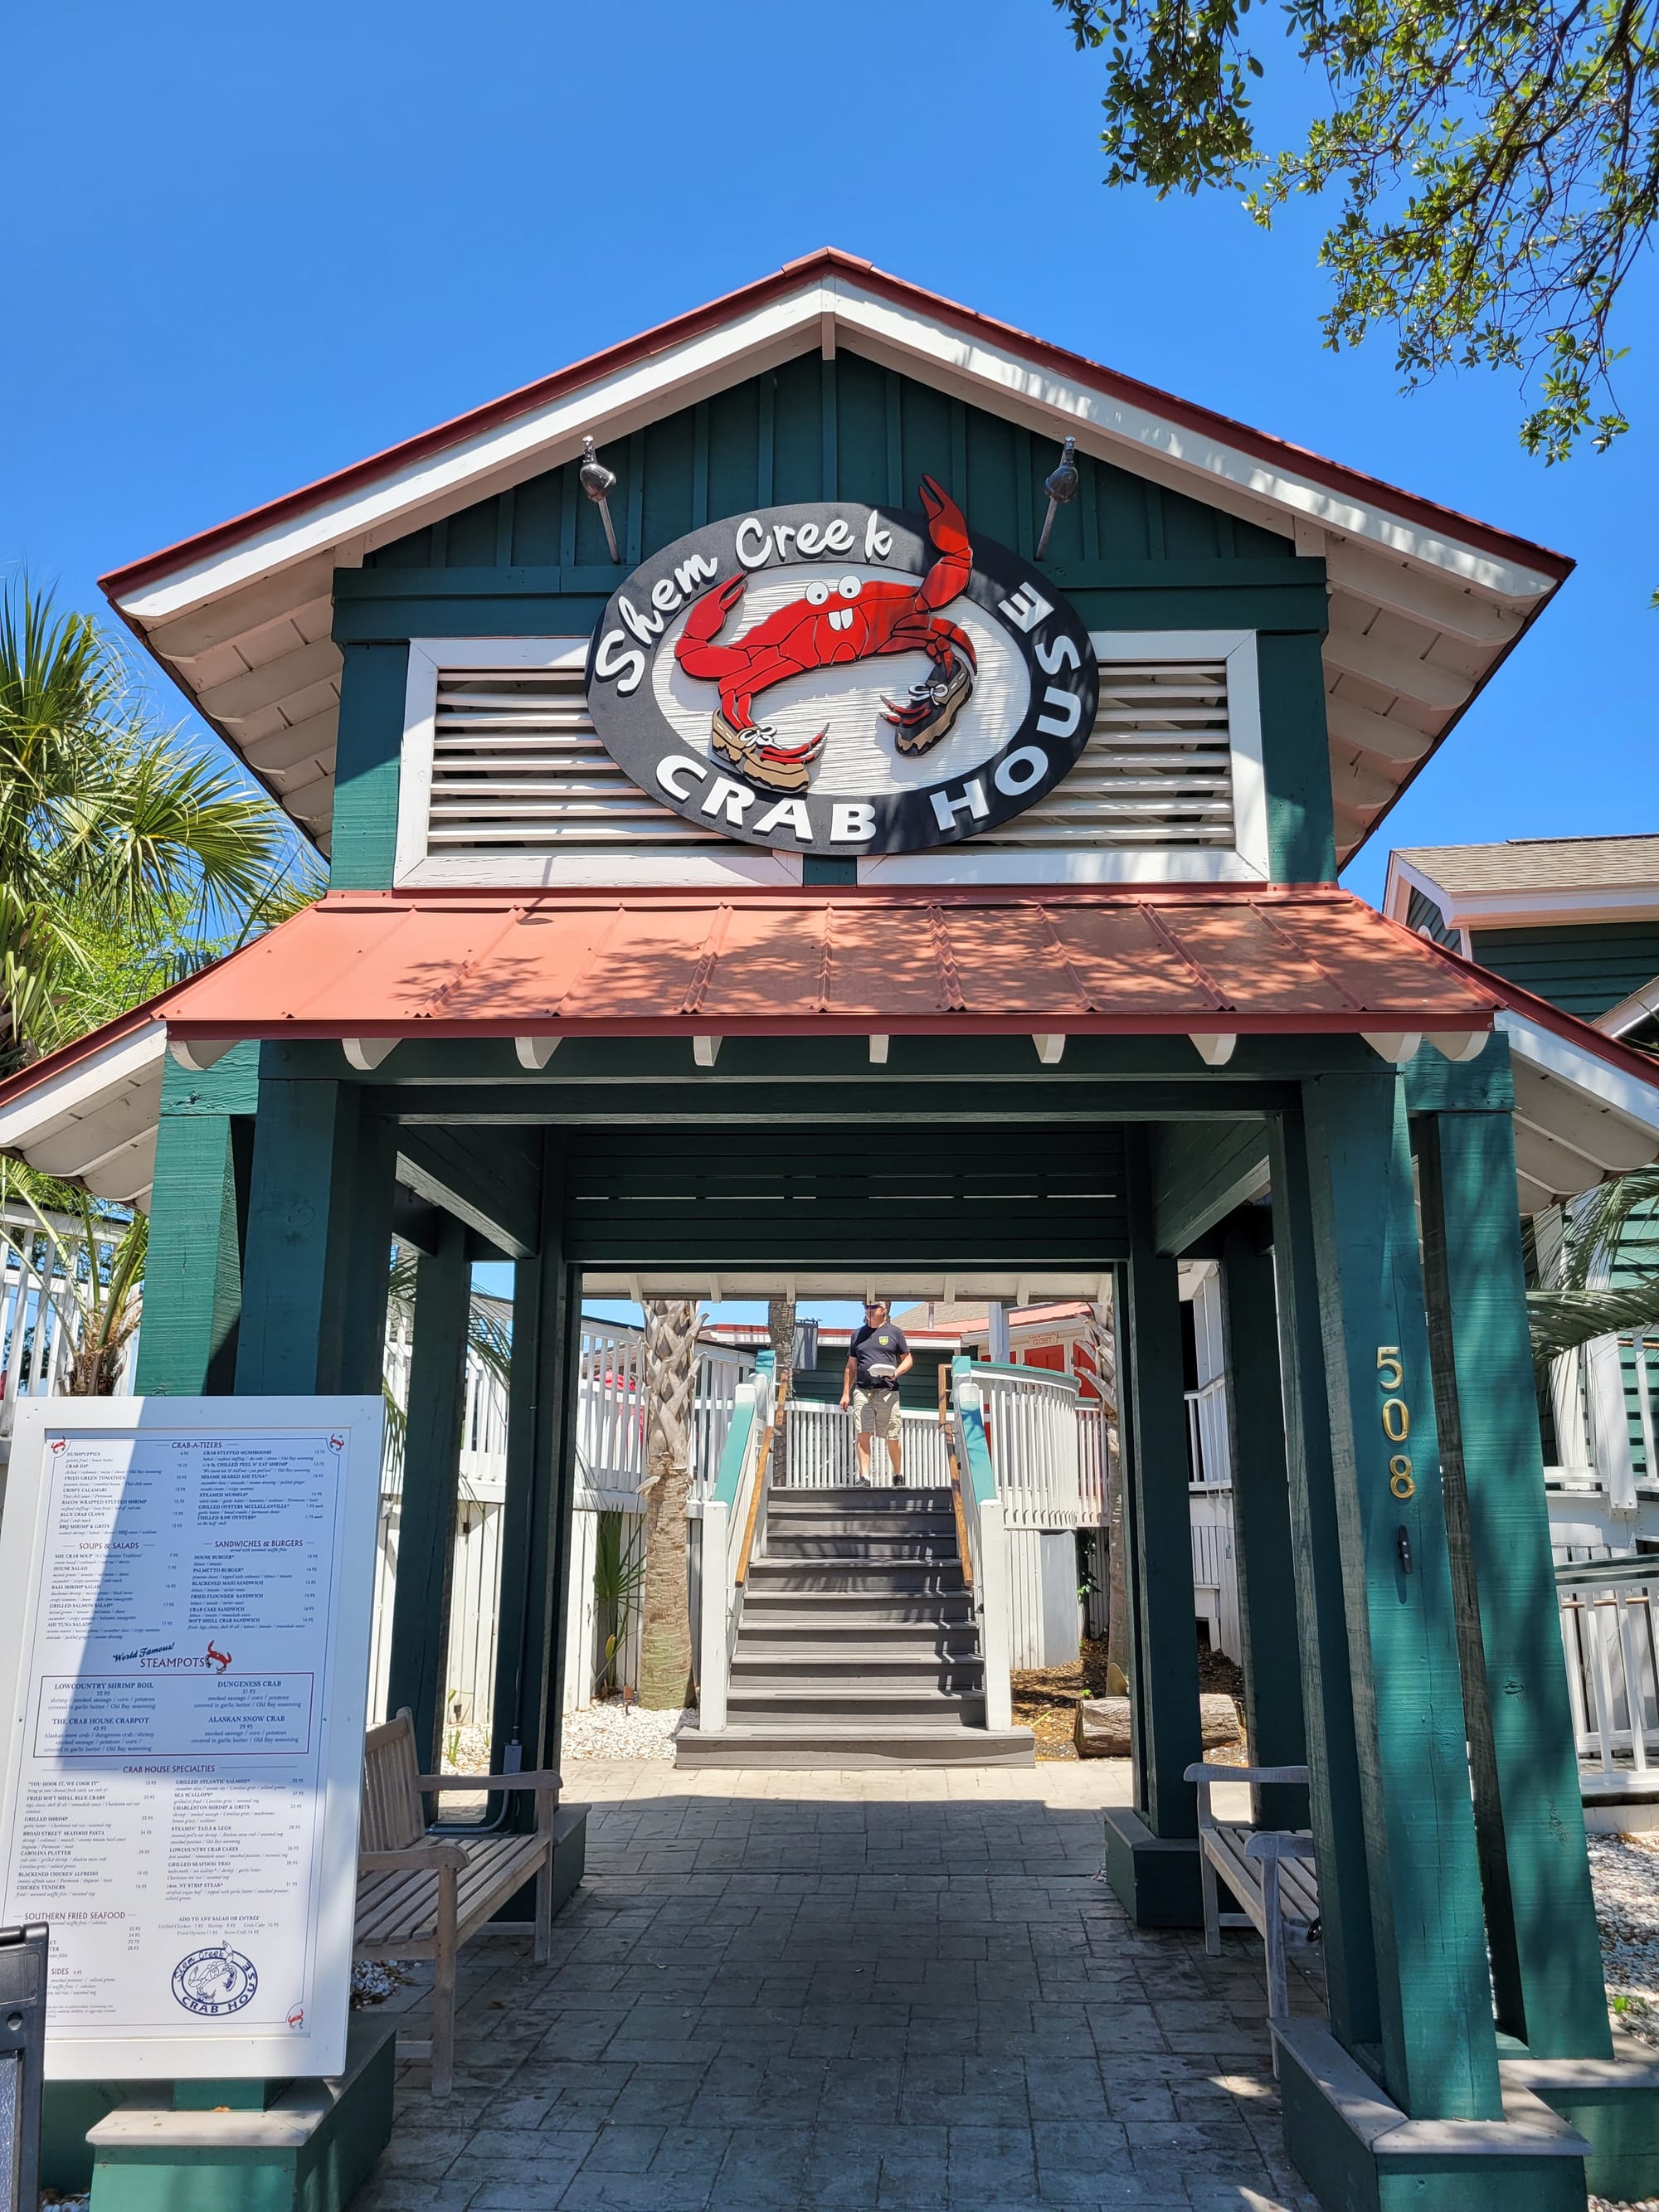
x=183, y=1669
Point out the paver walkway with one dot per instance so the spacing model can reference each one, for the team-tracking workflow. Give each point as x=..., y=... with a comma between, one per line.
x=905, y=1992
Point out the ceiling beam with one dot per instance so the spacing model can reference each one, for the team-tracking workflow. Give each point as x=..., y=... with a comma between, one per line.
x=273, y=681
x=223, y=621
x=1389, y=668
x=1384, y=736
x=303, y=741
x=1370, y=575
x=493, y=1183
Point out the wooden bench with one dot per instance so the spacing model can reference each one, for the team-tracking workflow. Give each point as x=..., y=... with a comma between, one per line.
x=1269, y=1871
x=421, y=1896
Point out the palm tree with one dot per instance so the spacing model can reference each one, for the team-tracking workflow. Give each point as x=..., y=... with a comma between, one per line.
x=781, y=1330
x=111, y=830
x=89, y=1255
x=670, y=1384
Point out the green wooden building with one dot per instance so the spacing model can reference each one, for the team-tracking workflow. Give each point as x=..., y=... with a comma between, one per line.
x=1041, y=986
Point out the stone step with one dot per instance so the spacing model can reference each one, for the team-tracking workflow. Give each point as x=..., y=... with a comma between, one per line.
x=852, y=1743
x=890, y=1528
x=880, y=1548
x=833, y=1665
x=863, y=1497
x=922, y=1704
x=919, y=1611
x=892, y=1637
x=863, y=1578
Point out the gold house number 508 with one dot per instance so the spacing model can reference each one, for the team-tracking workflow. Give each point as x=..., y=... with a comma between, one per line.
x=1396, y=1418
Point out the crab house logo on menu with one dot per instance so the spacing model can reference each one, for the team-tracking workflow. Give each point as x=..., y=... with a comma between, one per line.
x=841, y=680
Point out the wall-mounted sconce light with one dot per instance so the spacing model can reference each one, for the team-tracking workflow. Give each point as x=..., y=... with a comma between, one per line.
x=1061, y=487
x=598, y=483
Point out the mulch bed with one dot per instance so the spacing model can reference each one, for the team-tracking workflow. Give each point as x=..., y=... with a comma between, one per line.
x=1046, y=1698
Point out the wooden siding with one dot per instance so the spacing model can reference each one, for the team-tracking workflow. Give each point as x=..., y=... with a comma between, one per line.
x=1584, y=968
x=841, y=429
x=1424, y=916
x=1130, y=554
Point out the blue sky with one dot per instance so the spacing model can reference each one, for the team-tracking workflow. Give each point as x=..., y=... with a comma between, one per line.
x=260, y=243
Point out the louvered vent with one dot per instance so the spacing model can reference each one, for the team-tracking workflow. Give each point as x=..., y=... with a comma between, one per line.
x=1157, y=771
x=517, y=763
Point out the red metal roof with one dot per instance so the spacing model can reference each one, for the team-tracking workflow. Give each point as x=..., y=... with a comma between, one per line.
x=827, y=261
x=1249, y=959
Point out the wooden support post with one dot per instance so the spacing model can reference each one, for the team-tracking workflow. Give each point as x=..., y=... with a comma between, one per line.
x=1152, y=1854
x=426, y=1533
x=540, y=1460
x=1541, y=1917
x=198, y=1209
x=1333, y=1761
x=319, y=1243
x=1439, y=2053
x=1166, y=1650
x=1261, y=1515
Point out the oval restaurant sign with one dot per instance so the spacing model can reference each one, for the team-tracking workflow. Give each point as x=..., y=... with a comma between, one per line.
x=842, y=680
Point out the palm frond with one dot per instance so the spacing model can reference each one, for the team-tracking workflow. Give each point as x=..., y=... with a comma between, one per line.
x=1600, y=1219
x=1561, y=1320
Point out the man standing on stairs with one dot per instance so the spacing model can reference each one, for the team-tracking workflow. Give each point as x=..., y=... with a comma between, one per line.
x=875, y=1359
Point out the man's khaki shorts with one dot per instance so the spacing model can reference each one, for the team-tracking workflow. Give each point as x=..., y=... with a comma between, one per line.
x=877, y=1412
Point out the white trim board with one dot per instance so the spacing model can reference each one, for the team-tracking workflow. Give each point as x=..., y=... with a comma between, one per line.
x=1624, y=1094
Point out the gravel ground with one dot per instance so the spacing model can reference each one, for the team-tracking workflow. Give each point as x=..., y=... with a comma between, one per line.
x=618, y=1731
x=1625, y=1871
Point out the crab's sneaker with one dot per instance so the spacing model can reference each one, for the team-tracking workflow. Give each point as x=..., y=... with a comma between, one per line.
x=933, y=707
x=757, y=761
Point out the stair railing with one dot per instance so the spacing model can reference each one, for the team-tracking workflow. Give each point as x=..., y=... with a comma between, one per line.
x=987, y=1557
x=1608, y=1630
x=730, y=1514
x=1030, y=1419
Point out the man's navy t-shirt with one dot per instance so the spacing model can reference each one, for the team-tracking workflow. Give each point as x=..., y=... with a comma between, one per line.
x=875, y=1355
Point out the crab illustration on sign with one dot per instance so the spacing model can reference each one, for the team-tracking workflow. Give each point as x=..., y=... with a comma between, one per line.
x=830, y=625
x=736, y=678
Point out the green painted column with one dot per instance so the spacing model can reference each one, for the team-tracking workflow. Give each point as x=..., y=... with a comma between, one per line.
x=319, y=1243
x=1439, y=2054
x=1261, y=1514
x=562, y=1517
x=539, y=1444
x=193, y=1270
x=1296, y=756
x=426, y=1526
x=368, y=759
x=1546, y=1958
x=1164, y=1708
x=1321, y=1621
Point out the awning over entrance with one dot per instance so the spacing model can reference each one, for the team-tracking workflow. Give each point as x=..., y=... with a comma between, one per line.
x=368, y=968
x=1233, y=959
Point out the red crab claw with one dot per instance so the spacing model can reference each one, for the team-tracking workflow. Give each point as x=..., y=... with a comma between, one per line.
x=948, y=529
x=708, y=617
